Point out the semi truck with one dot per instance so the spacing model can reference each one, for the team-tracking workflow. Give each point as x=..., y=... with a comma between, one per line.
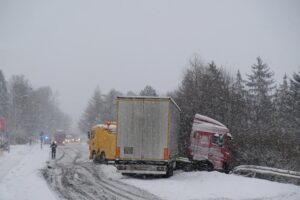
x=208, y=145
x=147, y=139
x=102, y=142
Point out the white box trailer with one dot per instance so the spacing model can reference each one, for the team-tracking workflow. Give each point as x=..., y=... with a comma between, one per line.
x=147, y=135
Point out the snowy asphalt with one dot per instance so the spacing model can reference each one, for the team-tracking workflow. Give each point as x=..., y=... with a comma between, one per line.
x=73, y=176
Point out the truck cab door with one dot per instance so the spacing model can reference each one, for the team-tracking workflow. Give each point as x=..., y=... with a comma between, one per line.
x=216, y=151
x=200, y=143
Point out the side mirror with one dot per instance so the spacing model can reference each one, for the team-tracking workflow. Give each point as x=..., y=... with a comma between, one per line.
x=229, y=136
x=89, y=134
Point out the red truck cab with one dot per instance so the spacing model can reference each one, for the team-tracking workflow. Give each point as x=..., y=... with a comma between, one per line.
x=208, y=143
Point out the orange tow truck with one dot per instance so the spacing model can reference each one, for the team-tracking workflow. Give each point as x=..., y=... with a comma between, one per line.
x=102, y=142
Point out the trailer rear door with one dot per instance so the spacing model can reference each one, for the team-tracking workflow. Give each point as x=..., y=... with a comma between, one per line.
x=142, y=128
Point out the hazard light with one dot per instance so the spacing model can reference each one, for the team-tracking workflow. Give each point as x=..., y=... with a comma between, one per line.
x=118, y=152
x=166, y=154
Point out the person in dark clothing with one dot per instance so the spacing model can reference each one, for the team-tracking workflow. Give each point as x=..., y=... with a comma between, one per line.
x=53, y=148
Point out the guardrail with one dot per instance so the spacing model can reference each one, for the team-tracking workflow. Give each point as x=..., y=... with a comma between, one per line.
x=268, y=173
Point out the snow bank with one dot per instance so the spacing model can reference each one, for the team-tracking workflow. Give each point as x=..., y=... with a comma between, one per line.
x=215, y=185
x=9, y=160
x=110, y=172
x=20, y=176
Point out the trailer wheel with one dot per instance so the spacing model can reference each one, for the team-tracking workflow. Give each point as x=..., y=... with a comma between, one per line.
x=170, y=171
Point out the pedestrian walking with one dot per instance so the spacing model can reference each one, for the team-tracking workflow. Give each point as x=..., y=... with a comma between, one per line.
x=53, y=149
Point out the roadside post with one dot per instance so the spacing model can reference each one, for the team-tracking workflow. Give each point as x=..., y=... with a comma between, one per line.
x=41, y=138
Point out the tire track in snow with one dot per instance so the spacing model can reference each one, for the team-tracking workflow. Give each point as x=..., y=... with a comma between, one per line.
x=74, y=177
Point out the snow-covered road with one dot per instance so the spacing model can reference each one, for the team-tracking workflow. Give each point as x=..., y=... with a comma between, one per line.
x=73, y=176
x=25, y=171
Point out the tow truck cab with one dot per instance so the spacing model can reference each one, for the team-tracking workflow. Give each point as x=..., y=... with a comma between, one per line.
x=102, y=142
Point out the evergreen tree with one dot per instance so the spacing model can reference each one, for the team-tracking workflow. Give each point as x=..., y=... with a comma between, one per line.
x=262, y=123
x=148, y=91
x=93, y=114
x=283, y=108
x=239, y=107
x=295, y=102
x=4, y=98
x=261, y=86
x=216, y=90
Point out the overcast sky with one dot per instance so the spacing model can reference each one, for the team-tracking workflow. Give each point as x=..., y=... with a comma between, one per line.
x=75, y=45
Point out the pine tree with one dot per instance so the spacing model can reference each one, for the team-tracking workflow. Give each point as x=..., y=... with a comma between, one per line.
x=148, y=91
x=283, y=108
x=4, y=98
x=239, y=107
x=261, y=86
x=262, y=124
x=93, y=114
x=216, y=89
x=295, y=102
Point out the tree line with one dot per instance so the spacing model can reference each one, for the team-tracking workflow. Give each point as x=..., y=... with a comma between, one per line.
x=29, y=111
x=263, y=117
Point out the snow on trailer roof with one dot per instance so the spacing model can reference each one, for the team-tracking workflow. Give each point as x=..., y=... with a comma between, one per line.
x=111, y=127
x=204, y=123
x=150, y=97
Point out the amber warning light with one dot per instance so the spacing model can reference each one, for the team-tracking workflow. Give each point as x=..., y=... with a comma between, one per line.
x=118, y=152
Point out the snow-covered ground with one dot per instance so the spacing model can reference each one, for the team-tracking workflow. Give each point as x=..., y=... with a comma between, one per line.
x=20, y=177
x=210, y=185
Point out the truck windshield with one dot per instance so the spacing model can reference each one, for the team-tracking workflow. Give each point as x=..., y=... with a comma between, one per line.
x=218, y=140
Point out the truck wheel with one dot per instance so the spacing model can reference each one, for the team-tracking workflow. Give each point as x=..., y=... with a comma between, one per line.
x=94, y=157
x=209, y=166
x=188, y=167
x=170, y=171
x=102, y=157
x=226, y=168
